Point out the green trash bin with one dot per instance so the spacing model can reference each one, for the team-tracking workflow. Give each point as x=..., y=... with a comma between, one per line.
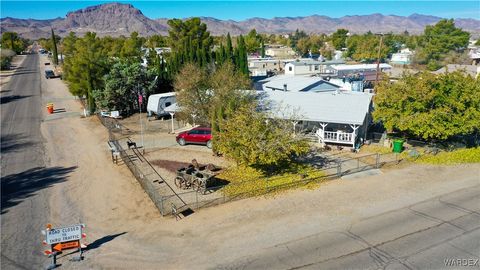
x=397, y=146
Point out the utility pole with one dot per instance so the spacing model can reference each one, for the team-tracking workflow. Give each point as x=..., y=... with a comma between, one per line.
x=378, y=59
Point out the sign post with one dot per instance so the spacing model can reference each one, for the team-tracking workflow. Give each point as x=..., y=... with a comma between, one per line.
x=61, y=239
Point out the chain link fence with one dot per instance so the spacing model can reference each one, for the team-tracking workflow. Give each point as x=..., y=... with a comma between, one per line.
x=169, y=202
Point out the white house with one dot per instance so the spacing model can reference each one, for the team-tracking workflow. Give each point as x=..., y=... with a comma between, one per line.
x=335, y=117
x=404, y=57
x=280, y=51
x=262, y=66
x=310, y=67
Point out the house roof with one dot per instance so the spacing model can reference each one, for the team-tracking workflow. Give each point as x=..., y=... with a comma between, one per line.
x=297, y=83
x=361, y=66
x=469, y=69
x=328, y=107
x=315, y=62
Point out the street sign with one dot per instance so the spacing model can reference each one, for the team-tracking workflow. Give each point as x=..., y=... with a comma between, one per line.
x=66, y=245
x=64, y=234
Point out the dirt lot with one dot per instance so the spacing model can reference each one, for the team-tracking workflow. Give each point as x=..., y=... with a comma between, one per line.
x=125, y=230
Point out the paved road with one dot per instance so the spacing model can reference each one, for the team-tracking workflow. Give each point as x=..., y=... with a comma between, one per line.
x=25, y=179
x=433, y=234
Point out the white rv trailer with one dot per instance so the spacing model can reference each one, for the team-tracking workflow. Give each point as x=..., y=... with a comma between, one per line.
x=158, y=102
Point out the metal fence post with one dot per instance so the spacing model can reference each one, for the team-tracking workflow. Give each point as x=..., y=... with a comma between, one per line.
x=339, y=169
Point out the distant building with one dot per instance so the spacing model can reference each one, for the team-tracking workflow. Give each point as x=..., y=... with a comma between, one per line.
x=280, y=51
x=472, y=70
x=311, y=67
x=290, y=83
x=260, y=66
x=368, y=71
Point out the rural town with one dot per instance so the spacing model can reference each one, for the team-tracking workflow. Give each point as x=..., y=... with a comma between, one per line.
x=240, y=135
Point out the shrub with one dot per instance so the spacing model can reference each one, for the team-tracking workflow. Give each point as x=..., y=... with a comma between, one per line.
x=247, y=181
x=467, y=155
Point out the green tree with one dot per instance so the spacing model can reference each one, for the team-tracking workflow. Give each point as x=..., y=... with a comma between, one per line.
x=252, y=41
x=241, y=56
x=86, y=67
x=132, y=47
x=11, y=40
x=193, y=94
x=254, y=138
x=229, y=49
x=339, y=38
x=295, y=37
x=125, y=81
x=54, y=47
x=430, y=106
x=442, y=38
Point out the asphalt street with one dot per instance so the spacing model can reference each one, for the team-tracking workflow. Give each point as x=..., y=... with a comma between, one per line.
x=25, y=179
x=440, y=233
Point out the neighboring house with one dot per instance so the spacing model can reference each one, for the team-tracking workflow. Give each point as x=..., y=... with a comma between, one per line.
x=290, y=83
x=311, y=67
x=402, y=58
x=280, y=51
x=368, y=71
x=260, y=66
x=474, y=56
x=334, y=117
x=472, y=70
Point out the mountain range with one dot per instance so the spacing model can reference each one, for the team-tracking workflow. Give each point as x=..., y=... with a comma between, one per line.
x=115, y=19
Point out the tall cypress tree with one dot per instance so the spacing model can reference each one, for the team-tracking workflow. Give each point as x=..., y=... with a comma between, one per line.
x=229, y=49
x=54, y=47
x=242, y=62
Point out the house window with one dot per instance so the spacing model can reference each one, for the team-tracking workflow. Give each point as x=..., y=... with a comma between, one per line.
x=316, y=67
x=289, y=68
x=263, y=65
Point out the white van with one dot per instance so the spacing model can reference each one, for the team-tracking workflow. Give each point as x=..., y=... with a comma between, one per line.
x=158, y=102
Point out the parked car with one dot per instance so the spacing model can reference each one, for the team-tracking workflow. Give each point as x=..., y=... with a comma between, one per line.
x=198, y=135
x=49, y=74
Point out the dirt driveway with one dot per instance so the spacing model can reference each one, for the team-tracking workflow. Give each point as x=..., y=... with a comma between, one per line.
x=125, y=231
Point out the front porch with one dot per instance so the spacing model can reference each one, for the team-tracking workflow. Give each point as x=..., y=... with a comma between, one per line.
x=337, y=134
x=324, y=133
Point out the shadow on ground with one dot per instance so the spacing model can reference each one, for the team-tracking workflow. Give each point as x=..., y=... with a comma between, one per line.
x=97, y=243
x=7, y=99
x=19, y=186
x=14, y=143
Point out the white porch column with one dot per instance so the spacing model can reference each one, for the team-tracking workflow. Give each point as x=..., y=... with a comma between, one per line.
x=354, y=134
x=321, y=132
x=294, y=127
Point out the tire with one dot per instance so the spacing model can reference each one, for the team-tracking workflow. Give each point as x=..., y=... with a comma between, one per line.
x=179, y=182
x=209, y=144
x=181, y=141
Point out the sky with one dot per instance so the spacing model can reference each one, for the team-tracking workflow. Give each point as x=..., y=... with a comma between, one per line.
x=240, y=10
